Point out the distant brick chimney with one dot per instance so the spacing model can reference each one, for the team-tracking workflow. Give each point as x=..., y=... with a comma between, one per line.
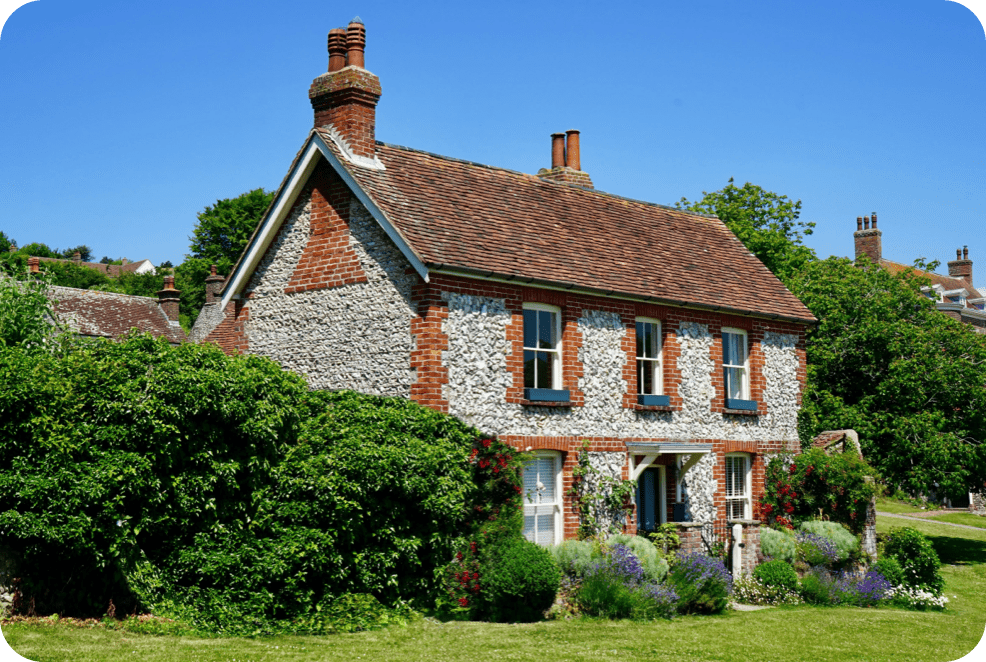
x=346, y=96
x=213, y=285
x=168, y=298
x=566, y=161
x=77, y=257
x=961, y=267
x=34, y=264
x=867, y=238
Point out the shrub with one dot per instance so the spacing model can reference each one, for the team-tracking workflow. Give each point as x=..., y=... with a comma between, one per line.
x=618, y=587
x=917, y=558
x=798, y=487
x=916, y=598
x=814, y=589
x=776, y=573
x=846, y=544
x=702, y=583
x=575, y=557
x=850, y=590
x=646, y=552
x=891, y=570
x=520, y=582
x=814, y=549
x=777, y=544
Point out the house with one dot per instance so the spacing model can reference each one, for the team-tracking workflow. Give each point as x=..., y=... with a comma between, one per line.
x=95, y=314
x=111, y=270
x=531, y=306
x=954, y=295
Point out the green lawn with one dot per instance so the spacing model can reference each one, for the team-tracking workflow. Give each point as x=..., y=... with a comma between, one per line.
x=888, y=505
x=962, y=518
x=783, y=634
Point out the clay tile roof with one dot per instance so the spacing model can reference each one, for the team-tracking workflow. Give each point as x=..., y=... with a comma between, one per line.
x=457, y=214
x=111, y=315
x=945, y=281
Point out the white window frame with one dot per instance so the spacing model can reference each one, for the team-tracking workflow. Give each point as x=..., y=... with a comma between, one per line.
x=556, y=381
x=655, y=364
x=747, y=496
x=745, y=366
x=532, y=508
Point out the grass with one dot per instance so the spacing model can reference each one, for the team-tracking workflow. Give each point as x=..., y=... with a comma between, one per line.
x=962, y=518
x=788, y=633
x=898, y=507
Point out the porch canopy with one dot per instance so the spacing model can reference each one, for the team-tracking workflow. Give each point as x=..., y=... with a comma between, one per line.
x=650, y=452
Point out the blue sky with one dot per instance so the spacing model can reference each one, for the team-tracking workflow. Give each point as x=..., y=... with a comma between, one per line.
x=122, y=120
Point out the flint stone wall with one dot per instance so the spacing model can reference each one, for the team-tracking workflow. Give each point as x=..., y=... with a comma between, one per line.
x=356, y=336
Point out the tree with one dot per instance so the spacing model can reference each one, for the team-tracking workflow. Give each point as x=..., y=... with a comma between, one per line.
x=27, y=316
x=6, y=242
x=39, y=250
x=85, y=253
x=909, y=379
x=766, y=223
x=219, y=237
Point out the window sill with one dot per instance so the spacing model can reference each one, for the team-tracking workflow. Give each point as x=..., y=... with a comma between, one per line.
x=744, y=405
x=546, y=403
x=741, y=412
x=547, y=394
x=653, y=408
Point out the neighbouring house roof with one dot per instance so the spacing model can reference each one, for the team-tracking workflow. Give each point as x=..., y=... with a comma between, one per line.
x=448, y=214
x=111, y=270
x=936, y=279
x=110, y=315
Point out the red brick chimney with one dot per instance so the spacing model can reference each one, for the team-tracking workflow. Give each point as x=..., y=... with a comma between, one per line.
x=168, y=298
x=77, y=257
x=868, y=240
x=346, y=96
x=961, y=267
x=566, y=164
x=213, y=285
x=34, y=264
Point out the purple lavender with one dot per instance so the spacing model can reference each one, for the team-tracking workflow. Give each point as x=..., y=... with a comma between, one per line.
x=625, y=566
x=873, y=588
x=816, y=549
x=699, y=569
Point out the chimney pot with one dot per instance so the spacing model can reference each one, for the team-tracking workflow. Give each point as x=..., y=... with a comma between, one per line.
x=169, y=299
x=33, y=264
x=355, y=43
x=965, y=252
x=557, y=150
x=213, y=285
x=866, y=222
x=337, y=49
x=874, y=220
x=859, y=224
x=958, y=253
x=572, y=156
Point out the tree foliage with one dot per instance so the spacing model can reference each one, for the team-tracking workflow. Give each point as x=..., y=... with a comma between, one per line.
x=5, y=242
x=26, y=310
x=766, y=223
x=221, y=234
x=910, y=380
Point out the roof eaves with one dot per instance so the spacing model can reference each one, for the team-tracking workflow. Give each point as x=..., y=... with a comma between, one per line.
x=616, y=294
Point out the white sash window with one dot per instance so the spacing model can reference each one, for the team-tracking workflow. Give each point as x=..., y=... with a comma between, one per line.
x=542, y=499
x=738, y=487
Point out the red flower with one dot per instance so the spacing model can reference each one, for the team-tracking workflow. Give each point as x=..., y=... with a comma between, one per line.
x=475, y=452
x=484, y=463
x=789, y=509
x=768, y=509
x=811, y=467
x=486, y=443
x=463, y=602
x=793, y=495
x=496, y=470
x=472, y=547
x=517, y=487
x=459, y=555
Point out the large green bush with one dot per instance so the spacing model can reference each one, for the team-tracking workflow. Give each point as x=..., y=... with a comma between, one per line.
x=113, y=453
x=575, y=557
x=220, y=490
x=917, y=558
x=891, y=570
x=803, y=486
x=777, y=544
x=521, y=582
x=846, y=544
x=776, y=574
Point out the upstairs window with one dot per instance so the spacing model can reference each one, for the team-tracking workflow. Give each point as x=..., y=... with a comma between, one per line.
x=542, y=347
x=735, y=364
x=649, y=371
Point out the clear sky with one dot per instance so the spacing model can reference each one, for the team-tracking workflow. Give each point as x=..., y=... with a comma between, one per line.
x=121, y=120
